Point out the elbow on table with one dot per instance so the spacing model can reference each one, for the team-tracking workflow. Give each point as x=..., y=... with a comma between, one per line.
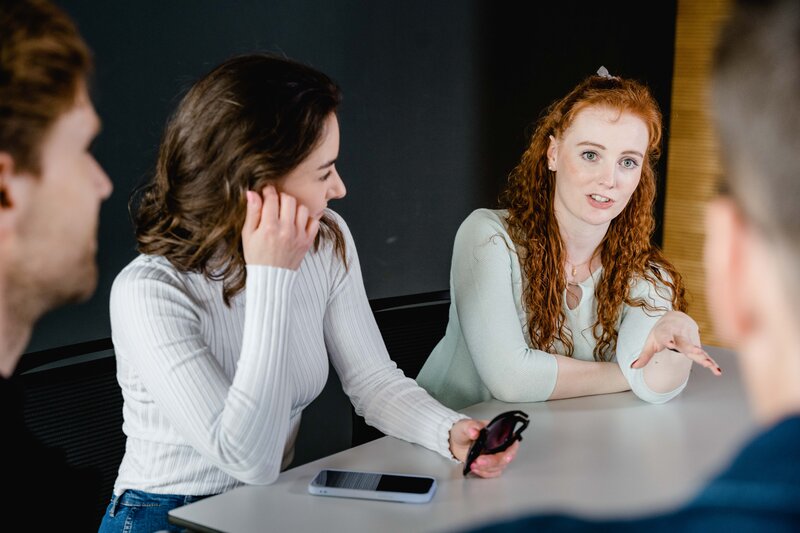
x=646, y=394
x=509, y=395
x=254, y=468
x=258, y=476
x=533, y=381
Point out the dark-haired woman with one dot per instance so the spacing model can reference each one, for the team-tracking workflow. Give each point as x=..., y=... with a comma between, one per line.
x=246, y=287
x=562, y=294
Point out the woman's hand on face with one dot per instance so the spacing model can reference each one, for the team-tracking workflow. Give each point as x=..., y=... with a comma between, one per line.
x=463, y=434
x=677, y=332
x=277, y=231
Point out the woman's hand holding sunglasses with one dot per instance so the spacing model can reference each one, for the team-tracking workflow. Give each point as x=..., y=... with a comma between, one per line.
x=277, y=231
x=487, y=448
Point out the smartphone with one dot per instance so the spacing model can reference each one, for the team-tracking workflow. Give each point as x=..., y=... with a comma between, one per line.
x=373, y=486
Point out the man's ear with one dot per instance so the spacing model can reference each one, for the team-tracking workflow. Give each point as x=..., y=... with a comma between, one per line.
x=15, y=194
x=6, y=172
x=727, y=236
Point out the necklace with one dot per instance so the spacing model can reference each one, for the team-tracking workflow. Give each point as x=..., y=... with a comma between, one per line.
x=575, y=269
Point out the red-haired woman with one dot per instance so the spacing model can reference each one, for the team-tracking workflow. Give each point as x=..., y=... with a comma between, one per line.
x=562, y=293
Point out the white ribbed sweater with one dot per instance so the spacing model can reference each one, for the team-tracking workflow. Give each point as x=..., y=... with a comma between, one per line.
x=213, y=394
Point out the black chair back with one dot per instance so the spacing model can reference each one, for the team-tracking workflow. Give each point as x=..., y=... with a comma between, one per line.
x=73, y=402
x=411, y=327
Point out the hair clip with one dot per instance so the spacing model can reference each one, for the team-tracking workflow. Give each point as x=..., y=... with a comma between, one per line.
x=603, y=73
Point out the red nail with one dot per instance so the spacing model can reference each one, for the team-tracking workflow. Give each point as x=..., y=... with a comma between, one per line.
x=634, y=362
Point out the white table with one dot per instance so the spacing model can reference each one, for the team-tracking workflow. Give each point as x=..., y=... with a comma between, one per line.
x=610, y=455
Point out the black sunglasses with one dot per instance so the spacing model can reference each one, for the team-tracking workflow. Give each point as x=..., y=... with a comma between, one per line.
x=497, y=436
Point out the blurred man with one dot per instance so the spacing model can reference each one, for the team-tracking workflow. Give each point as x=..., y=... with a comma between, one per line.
x=51, y=189
x=753, y=263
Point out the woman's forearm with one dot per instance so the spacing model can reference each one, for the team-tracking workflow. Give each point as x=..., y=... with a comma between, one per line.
x=667, y=371
x=585, y=378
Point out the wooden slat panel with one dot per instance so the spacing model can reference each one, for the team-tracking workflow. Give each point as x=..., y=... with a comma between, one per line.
x=693, y=164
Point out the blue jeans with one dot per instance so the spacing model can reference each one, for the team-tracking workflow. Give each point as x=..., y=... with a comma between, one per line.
x=136, y=511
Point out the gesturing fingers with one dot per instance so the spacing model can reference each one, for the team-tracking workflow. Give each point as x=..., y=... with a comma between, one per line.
x=648, y=351
x=696, y=354
x=686, y=347
x=682, y=345
x=677, y=332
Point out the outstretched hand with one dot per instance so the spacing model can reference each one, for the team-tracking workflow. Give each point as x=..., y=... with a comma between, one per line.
x=676, y=331
x=277, y=231
x=462, y=435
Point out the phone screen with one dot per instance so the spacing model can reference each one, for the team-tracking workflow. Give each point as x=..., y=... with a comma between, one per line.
x=373, y=481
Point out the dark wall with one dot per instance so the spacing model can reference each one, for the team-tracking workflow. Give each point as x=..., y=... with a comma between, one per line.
x=438, y=96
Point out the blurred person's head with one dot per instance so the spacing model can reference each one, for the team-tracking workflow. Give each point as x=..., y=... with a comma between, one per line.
x=253, y=121
x=753, y=229
x=51, y=186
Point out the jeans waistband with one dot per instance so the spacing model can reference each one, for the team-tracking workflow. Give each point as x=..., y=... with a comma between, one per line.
x=150, y=499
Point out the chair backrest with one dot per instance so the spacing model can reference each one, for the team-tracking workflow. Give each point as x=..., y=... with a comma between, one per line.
x=73, y=402
x=411, y=327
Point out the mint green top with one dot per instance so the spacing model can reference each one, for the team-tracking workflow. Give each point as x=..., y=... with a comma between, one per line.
x=486, y=349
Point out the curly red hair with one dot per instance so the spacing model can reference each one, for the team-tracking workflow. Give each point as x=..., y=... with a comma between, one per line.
x=627, y=253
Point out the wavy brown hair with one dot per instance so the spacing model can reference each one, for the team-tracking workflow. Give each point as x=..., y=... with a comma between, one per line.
x=43, y=62
x=626, y=252
x=246, y=124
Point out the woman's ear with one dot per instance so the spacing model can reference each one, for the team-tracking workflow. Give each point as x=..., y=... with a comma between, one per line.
x=725, y=268
x=552, y=153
